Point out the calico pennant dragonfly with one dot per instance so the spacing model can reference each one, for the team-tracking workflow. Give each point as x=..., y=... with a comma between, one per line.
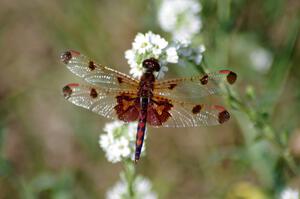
x=165, y=103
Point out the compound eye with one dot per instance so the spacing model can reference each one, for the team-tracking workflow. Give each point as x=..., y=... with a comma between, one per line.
x=156, y=66
x=151, y=64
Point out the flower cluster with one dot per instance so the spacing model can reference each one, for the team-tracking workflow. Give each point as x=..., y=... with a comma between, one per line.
x=289, y=194
x=141, y=189
x=151, y=45
x=119, y=141
x=194, y=55
x=146, y=46
x=180, y=18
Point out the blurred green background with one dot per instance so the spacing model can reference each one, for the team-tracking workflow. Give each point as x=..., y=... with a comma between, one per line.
x=49, y=147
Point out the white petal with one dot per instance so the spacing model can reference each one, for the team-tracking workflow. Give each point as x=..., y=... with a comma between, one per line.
x=172, y=56
x=136, y=72
x=113, y=153
x=130, y=55
x=103, y=141
x=143, y=188
x=110, y=127
x=201, y=49
x=198, y=59
x=289, y=194
x=117, y=191
x=180, y=17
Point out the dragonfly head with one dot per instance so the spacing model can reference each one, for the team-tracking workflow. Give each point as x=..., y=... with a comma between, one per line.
x=151, y=65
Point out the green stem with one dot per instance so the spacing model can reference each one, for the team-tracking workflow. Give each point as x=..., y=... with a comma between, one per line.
x=269, y=133
x=129, y=175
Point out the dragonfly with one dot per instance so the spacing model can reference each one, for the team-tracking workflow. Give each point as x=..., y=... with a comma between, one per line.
x=158, y=103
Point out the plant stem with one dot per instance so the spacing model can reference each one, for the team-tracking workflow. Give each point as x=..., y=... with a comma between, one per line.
x=129, y=175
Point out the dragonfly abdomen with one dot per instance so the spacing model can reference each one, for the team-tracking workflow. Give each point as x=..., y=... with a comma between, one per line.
x=141, y=128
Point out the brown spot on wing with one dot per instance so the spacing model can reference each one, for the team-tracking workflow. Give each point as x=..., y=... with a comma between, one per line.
x=196, y=109
x=204, y=80
x=223, y=116
x=92, y=66
x=93, y=93
x=127, y=108
x=66, y=57
x=158, y=112
x=120, y=80
x=172, y=86
x=67, y=91
x=231, y=77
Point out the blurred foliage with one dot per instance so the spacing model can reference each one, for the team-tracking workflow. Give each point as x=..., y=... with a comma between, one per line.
x=49, y=148
x=247, y=191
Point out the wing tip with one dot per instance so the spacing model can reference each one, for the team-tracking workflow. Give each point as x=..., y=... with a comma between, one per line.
x=223, y=116
x=66, y=56
x=67, y=90
x=231, y=76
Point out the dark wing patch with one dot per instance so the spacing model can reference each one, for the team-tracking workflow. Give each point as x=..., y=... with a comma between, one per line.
x=158, y=111
x=92, y=66
x=231, y=77
x=224, y=116
x=172, y=86
x=67, y=90
x=67, y=56
x=196, y=109
x=93, y=93
x=127, y=108
x=204, y=80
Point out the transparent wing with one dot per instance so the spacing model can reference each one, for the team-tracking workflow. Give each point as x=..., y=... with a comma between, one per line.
x=95, y=73
x=110, y=103
x=193, y=88
x=165, y=112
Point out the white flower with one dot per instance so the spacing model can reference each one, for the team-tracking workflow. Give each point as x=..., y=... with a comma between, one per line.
x=261, y=60
x=192, y=54
x=136, y=71
x=289, y=194
x=181, y=18
x=147, y=46
x=119, y=141
x=149, y=42
x=199, y=54
x=141, y=188
x=172, y=56
x=118, y=191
